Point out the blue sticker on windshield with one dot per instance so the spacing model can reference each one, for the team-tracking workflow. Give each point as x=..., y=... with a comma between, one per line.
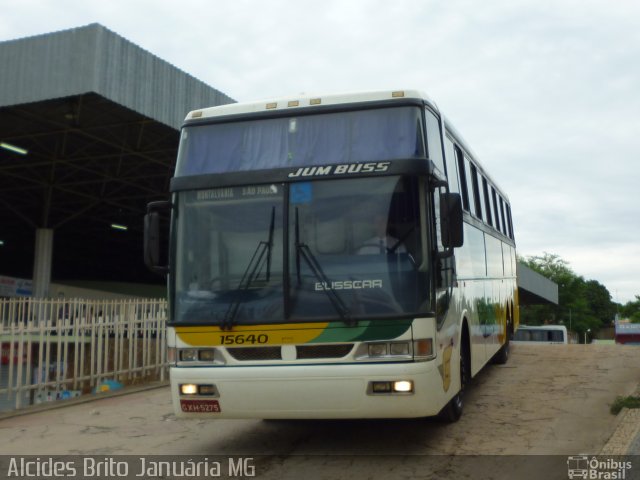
x=301, y=193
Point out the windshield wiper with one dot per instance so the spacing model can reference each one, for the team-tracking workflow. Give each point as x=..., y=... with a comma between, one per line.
x=303, y=250
x=261, y=257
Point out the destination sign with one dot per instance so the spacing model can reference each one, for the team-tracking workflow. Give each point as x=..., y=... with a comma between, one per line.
x=228, y=193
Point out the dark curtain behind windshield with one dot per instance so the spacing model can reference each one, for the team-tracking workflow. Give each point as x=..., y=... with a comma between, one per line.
x=358, y=136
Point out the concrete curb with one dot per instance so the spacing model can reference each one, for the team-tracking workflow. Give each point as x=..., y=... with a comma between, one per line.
x=625, y=436
x=46, y=406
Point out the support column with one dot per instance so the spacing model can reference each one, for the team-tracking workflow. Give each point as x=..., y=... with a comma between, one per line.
x=43, y=258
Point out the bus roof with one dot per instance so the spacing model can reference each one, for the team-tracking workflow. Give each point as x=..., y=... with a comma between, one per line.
x=307, y=100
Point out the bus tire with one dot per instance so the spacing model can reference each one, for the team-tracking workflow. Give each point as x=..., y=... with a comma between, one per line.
x=502, y=356
x=453, y=410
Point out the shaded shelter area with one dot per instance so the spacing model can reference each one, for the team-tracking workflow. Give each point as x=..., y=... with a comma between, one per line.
x=89, y=127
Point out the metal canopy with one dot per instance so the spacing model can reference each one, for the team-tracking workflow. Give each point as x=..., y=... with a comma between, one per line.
x=535, y=289
x=98, y=118
x=83, y=172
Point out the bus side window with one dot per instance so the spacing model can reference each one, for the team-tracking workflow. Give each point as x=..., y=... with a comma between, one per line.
x=509, y=222
x=557, y=336
x=502, y=217
x=470, y=194
x=434, y=144
x=487, y=203
x=452, y=171
x=495, y=208
x=477, y=198
x=464, y=192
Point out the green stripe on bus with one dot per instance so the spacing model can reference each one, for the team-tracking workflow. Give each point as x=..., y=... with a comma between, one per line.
x=368, y=330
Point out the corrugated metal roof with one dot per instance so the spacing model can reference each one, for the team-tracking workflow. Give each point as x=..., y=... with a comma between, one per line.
x=95, y=59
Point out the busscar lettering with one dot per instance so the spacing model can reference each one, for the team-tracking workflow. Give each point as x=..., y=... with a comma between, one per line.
x=342, y=169
x=348, y=285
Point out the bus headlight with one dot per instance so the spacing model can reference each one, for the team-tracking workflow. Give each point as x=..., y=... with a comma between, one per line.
x=403, y=386
x=188, y=389
x=209, y=390
x=419, y=350
x=377, y=349
x=399, y=348
x=380, y=387
x=185, y=356
x=188, y=355
x=390, y=387
x=385, y=351
x=207, y=354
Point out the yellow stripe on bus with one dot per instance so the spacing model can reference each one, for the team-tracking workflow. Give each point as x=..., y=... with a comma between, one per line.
x=250, y=335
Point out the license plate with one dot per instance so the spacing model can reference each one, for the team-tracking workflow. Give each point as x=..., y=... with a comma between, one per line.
x=200, y=406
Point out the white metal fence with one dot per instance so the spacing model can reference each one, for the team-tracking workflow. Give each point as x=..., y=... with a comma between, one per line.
x=59, y=348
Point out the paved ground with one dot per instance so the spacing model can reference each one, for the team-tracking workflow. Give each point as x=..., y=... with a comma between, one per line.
x=548, y=400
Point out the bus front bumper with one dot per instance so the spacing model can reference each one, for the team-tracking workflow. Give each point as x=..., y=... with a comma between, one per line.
x=310, y=391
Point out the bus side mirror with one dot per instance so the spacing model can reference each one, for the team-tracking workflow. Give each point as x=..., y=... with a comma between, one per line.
x=152, y=237
x=451, y=221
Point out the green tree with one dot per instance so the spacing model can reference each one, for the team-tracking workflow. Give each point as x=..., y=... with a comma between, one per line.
x=599, y=301
x=551, y=266
x=631, y=310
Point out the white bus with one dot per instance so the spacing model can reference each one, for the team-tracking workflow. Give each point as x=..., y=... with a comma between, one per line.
x=340, y=256
x=549, y=334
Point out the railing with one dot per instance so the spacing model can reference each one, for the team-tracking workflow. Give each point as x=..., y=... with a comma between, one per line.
x=60, y=348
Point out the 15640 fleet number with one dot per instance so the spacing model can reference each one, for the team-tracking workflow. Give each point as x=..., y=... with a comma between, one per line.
x=244, y=339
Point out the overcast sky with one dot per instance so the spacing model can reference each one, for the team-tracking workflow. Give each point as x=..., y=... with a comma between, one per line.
x=547, y=93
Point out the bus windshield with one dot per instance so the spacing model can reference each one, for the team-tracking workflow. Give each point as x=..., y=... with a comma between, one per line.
x=346, y=249
x=303, y=141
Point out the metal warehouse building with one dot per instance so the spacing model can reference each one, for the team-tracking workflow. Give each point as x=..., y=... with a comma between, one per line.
x=89, y=132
